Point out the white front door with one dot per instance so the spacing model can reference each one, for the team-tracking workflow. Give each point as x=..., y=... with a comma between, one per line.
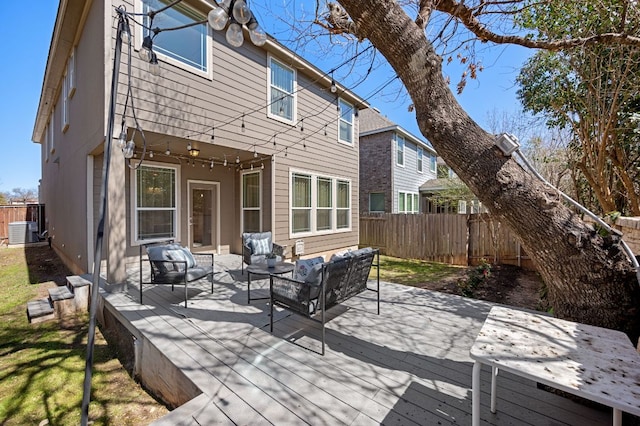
x=204, y=228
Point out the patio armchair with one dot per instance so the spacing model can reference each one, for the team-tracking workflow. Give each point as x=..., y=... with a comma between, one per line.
x=173, y=264
x=256, y=245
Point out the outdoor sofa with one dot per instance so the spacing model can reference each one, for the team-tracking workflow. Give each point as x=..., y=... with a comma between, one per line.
x=171, y=263
x=325, y=285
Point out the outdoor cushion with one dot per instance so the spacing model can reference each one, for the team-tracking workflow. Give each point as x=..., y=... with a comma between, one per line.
x=159, y=254
x=260, y=246
x=303, y=267
x=183, y=255
x=341, y=255
x=314, y=280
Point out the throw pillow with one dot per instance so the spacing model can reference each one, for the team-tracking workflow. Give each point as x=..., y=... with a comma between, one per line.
x=260, y=246
x=183, y=255
x=303, y=267
x=341, y=255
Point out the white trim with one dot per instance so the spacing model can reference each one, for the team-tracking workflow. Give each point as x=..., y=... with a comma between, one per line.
x=340, y=120
x=64, y=114
x=314, y=202
x=71, y=72
x=51, y=140
x=294, y=115
x=139, y=37
x=132, y=207
x=216, y=186
x=90, y=220
x=396, y=146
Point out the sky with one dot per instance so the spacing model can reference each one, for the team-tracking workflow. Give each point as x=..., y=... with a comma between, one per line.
x=26, y=48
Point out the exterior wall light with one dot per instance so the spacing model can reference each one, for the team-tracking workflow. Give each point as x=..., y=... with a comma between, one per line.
x=507, y=143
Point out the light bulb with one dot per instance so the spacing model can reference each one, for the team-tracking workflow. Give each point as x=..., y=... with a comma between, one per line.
x=150, y=154
x=234, y=35
x=241, y=12
x=125, y=33
x=256, y=33
x=333, y=89
x=129, y=149
x=154, y=66
x=145, y=49
x=189, y=146
x=167, y=152
x=262, y=166
x=237, y=159
x=122, y=140
x=219, y=16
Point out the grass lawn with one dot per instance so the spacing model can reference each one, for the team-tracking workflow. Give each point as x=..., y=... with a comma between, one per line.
x=42, y=365
x=414, y=272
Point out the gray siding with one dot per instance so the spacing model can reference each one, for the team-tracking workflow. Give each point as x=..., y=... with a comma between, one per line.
x=407, y=178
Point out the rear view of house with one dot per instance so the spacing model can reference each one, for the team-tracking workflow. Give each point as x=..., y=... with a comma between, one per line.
x=226, y=139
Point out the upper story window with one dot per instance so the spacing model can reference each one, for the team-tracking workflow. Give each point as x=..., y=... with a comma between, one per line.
x=281, y=96
x=399, y=150
x=51, y=146
x=433, y=163
x=420, y=154
x=346, y=122
x=64, y=114
x=188, y=46
x=71, y=72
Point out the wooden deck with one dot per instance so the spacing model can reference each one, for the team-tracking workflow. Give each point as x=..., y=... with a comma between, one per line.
x=410, y=365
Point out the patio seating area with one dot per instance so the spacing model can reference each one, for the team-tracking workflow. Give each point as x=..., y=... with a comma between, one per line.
x=408, y=365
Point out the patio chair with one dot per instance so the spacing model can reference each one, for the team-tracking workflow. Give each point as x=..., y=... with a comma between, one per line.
x=173, y=264
x=256, y=245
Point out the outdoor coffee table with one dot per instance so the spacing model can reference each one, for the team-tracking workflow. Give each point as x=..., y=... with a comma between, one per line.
x=592, y=362
x=262, y=269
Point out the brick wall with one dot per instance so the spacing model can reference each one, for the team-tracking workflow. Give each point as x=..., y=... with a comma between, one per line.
x=376, y=159
x=630, y=228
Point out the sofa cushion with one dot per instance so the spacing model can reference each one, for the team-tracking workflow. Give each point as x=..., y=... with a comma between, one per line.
x=260, y=246
x=159, y=255
x=341, y=255
x=303, y=267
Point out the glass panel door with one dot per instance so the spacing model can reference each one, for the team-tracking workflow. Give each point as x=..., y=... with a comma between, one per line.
x=202, y=216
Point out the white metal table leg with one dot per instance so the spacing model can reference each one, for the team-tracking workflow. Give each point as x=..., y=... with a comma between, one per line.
x=494, y=385
x=475, y=394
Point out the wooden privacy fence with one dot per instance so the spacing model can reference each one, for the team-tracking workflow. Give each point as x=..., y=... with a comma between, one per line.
x=456, y=239
x=20, y=213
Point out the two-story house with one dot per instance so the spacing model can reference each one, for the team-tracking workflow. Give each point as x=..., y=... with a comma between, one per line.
x=225, y=139
x=393, y=165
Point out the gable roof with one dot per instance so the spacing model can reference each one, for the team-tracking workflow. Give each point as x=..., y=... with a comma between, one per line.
x=373, y=122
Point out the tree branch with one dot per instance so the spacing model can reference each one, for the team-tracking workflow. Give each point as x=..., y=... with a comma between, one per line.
x=467, y=17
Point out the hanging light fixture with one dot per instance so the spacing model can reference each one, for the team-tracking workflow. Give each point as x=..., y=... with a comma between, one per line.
x=146, y=49
x=233, y=14
x=154, y=66
x=194, y=152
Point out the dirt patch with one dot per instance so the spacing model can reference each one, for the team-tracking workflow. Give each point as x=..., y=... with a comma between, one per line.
x=505, y=284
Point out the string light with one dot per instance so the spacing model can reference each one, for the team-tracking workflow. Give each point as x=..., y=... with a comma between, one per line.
x=242, y=127
x=213, y=134
x=150, y=154
x=237, y=159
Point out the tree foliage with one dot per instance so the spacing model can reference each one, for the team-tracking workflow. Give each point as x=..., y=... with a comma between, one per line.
x=593, y=93
x=589, y=277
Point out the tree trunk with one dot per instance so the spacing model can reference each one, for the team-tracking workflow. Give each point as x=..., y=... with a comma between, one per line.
x=589, y=278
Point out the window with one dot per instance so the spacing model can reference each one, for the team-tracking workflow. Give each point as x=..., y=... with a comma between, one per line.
x=251, y=205
x=376, y=202
x=325, y=203
x=301, y=203
x=433, y=163
x=51, y=147
x=420, y=156
x=319, y=204
x=462, y=207
x=282, y=100
x=346, y=122
x=399, y=150
x=71, y=73
x=408, y=202
x=64, y=114
x=188, y=46
x=343, y=205
x=45, y=145
x=155, y=195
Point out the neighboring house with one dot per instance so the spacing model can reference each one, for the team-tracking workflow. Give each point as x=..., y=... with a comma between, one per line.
x=269, y=149
x=448, y=194
x=393, y=165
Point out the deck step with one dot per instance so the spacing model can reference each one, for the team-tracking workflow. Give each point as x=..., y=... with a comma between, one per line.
x=80, y=286
x=62, y=300
x=40, y=310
